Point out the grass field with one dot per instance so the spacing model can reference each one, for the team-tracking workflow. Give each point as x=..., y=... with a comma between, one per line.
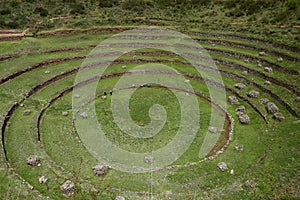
x=38, y=74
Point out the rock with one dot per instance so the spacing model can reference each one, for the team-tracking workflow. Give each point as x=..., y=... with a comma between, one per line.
x=47, y=72
x=278, y=116
x=233, y=100
x=212, y=129
x=148, y=159
x=84, y=115
x=271, y=108
x=68, y=188
x=268, y=69
x=22, y=105
x=103, y=97
x=119, y=198
x=259, y=65
x=297, y=99
x=245, y=73
x=264, y=101
x=76, y=96
x=240, y=86
x=64, y=113
x=26, y=112
x=253, y=94
x=124, y=67
x=231, y=172
x=187, y=81
x=244, y=119
x=241, y=109
x=43, y=179
x=238, y=147
x=262, y=53
x=33, y=160
x=249, y=184
x=267, y=83
x=222, y=166
x=100, y=170
x=280, y=59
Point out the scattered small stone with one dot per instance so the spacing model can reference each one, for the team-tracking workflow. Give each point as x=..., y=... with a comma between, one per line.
x=280, y=59
x=119, y=198
x=77, y=96
x=253, y=94
x=222, y=166
x=26, y=112
x=124, y=67
x=259, y=65
x=103, y=97
x=268, y=69
x=148, y=159
x=238, y=147
x=267, y=83
x=100, y=170
x=240, y=86
x=244, y=119
x=84, y=115
x=249, y=184
x=262, y=53
x=187, y=81
x=65, y=113
x=43, y=179
x=271, y=108
x=278, y=116
x=212, y=129
x=47, y=72
x=68, y=188
x=33, y=160
x=231, y=172
x=264, y=101
x=245, y=73
x=233, y=100
x=241, y=109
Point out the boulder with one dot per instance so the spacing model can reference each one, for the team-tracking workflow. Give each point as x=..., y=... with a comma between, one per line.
x=240, y=86
x=244, y=119
x=124, y=67
x=245, y=73
x=233, y=100
x=238, y=147
x=103, y=97
x=148, y=159
x=267, y=83
x=47, y=72
x=231, y=172
x=297, y=99
x=119, y=198
x=43, y=179
x=268, y=69
x=33, y=160
x=278, y=116
x=222, y=166
x=100, y=170
x=84, y=115
x=76, y=96
x=64, y=113
x=280, y=59
x=253, y=94
x=271, y=108
x=68, y=188
x=261, y=53
x=212, y=129
x=187, y=81
x=259, y=65
x=249, y=184
x=241, y=109
x=26, y=112
x=264, y=101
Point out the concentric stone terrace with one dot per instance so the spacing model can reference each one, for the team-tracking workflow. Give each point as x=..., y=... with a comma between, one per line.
x=258, y=142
